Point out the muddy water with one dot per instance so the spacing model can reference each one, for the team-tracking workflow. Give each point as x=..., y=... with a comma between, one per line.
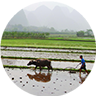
x=54, y=83
x=55, y=64
x=47, y=55
x=43, y=49
x=46, y=84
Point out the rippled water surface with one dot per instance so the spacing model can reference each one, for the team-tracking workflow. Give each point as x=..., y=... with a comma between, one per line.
x=49, y=50
x=45, y=83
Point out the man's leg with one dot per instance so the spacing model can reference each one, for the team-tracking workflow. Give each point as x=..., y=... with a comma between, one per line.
x=80, y=71
x=85, y=69
x=87, y=72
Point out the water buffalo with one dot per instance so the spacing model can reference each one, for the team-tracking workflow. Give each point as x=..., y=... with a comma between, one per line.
x=41, y=63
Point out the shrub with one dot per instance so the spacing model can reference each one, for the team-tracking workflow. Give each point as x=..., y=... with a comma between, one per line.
x=80, y=33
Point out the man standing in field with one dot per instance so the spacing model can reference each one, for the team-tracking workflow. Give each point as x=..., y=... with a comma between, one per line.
x=83, y=66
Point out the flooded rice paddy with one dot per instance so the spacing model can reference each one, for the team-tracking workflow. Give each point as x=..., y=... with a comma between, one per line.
x=47, y=55
x=55, y=64
x=45, y=83
x=49, y=50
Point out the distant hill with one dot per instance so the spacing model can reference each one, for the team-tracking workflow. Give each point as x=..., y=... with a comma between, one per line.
x=43, y=16
x=59, y=18
x=42, y=13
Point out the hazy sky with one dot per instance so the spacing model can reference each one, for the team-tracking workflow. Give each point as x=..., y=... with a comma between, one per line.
x=50, y=5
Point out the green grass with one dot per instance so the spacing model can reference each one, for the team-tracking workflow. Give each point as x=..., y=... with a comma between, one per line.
x=38, y=43
x=71, y=36
x=14, y=66
x=70, y=60
x=26, y=67
x=47, y=51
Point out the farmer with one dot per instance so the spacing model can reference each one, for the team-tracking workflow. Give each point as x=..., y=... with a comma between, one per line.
x=83, y=66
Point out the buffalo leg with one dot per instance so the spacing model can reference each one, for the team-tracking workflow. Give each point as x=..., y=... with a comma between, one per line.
x=40, y=68
x=49, y=67
x=35, y=67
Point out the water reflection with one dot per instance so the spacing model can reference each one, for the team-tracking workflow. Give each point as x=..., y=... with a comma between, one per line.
x=87, y=89
x=40, y=77
x=83, y=79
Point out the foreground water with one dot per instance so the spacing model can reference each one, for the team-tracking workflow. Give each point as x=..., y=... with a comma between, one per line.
x=43, y=83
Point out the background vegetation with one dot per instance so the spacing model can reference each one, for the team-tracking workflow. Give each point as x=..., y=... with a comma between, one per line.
x=14, y=35
x=39, y=43
x=63, y=40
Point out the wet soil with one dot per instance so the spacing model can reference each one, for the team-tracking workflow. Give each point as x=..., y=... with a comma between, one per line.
x=55, y=64
x=49, y=50
x=43, y=83
x=48, y=55
x=46, y=83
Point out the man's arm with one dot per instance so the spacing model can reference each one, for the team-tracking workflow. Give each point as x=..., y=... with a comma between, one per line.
x=83, y=64
x=80, y=63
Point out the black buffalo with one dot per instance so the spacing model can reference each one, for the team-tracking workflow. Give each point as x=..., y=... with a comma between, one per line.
x=41, y=63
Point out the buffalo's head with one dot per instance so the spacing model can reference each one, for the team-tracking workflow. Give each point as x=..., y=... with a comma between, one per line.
x=31, y=62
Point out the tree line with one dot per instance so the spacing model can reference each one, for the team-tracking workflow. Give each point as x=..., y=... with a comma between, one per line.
x=20, y=28
x=18, y=35
x=87, y=33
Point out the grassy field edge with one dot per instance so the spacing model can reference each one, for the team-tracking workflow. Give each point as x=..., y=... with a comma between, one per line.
x=70, y=60
x=26, y=67
x=46, y=51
